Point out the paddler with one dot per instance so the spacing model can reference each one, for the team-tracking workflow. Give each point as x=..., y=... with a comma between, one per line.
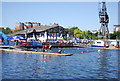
x=44, y=48
x=59, y=51
x=50, y=47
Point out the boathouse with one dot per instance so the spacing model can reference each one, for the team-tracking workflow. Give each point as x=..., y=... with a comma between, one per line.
x=44, y=33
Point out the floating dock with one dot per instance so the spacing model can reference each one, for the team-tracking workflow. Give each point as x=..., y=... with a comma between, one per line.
x=104, y=48
x=53, y=46
x=33, y=52
x=7, y=46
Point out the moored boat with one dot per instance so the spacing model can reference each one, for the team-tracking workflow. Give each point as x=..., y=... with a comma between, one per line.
x=100, y=43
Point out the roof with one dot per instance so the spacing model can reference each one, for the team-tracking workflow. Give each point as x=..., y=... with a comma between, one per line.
x=117, y=25
x=38, y=29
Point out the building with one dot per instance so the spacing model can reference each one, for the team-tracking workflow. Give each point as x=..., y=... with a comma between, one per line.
x=43, y=32
x=26, y=25
x=116, y=28
x=94, y=31
x=12, y=30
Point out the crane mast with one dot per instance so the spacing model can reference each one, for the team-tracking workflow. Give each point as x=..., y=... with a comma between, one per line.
x=104, y=20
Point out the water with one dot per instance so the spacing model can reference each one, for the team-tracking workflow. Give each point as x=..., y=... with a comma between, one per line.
x=85, y=63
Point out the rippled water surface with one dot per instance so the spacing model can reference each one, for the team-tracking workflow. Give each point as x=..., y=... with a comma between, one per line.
x=85, y=63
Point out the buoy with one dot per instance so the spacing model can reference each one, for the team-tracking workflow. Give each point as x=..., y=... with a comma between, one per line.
x=98, y=50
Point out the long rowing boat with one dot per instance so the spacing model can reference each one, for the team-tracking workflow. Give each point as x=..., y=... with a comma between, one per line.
x=33, y=52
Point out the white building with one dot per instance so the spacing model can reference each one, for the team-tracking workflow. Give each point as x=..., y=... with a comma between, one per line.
x=116, y=28
x=44, y=33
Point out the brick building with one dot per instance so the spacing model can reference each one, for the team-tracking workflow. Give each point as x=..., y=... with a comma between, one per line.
x=26, y=25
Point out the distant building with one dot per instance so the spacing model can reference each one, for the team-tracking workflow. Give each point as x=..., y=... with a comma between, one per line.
x=12, y=30
x=26, y=25
x=111, y=32
x=116, y=28
x=94, y=31
x=19, y=26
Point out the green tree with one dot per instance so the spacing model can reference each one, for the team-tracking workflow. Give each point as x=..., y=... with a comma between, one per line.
x=8, y=30
x=72, y=30
x=78, y=33
x=89, y=33
x=115, y=35
x=95, y=36
x=3, y=30
x=17, y=30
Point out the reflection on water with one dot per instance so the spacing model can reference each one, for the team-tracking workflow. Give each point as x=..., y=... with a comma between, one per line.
x=103, y=61
x=86, y=63
x=46, y=58
x=108, y=61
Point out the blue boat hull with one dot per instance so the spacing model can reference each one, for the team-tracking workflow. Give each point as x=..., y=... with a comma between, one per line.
x=96, y=46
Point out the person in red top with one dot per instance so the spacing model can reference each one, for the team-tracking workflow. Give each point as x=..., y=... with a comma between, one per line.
x=59, y=51
x=104, y=45
x=44, y=48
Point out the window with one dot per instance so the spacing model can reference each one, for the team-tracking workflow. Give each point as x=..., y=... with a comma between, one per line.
x=99, y=42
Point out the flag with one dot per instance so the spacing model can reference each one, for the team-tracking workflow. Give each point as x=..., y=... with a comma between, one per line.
x=75, y=36
x=35, y=34
x=56, y=35
x=67, y=36
x=61, y=36
x=42, y=34
x=53, y=35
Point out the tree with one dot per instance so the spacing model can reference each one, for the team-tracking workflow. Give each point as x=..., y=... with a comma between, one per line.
x=89, y=33
x=17, y=30
x=79, y=33
x=7, y=30
x=115, y=35
x=95, y=35
x=72, y=30
x=3, y=30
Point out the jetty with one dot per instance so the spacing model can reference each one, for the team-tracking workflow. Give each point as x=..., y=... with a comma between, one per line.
x=7, y=46
x=53, y=46
x=33, y=52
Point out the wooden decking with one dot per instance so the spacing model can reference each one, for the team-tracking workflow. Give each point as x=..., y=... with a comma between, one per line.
x=33, y=52
x=103, y=48
x=7, y=46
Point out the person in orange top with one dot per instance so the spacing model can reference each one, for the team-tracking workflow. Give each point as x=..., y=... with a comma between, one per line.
x=44, y=48
x=50, y=47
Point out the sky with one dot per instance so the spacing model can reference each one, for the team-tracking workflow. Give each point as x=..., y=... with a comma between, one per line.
x=81, y=14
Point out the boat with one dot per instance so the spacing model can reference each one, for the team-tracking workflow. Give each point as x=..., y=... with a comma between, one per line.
x=115, y=43
x=100, y=43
